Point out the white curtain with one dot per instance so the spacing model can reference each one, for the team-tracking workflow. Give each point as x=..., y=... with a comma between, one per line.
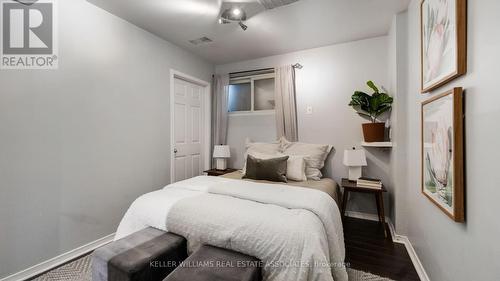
x=219, y=109
x=286, y=109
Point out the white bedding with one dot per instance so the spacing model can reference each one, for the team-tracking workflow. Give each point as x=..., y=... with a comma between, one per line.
x=296, y=232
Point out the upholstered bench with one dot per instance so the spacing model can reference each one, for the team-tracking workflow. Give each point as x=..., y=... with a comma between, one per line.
x=147, y=255
x=216, y=264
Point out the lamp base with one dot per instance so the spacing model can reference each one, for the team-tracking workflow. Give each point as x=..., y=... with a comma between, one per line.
x=221, y=164
x=354, y=173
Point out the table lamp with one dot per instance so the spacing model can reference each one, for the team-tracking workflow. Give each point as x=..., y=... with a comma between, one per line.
x=355, y=159
x=221, y=153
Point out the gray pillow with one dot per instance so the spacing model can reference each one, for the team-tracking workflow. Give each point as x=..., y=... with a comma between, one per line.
x=273, y=169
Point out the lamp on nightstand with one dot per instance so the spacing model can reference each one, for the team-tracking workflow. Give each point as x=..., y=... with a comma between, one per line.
x=355, y=159
x=221, y=153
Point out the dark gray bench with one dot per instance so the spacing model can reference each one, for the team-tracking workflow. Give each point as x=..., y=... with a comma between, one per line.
x=215, y=264
x=147, y=255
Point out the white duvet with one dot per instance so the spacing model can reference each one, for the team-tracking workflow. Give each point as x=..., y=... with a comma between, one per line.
x=296, y=232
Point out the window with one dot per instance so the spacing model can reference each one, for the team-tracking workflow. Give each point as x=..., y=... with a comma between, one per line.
x=240, y=97
x=251, y=94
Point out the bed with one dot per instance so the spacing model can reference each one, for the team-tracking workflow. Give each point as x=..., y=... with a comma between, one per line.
x=296, y=231
x=294, y=228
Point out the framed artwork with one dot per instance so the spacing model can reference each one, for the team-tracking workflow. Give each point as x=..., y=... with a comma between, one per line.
x=443, y=152
x=443, y=42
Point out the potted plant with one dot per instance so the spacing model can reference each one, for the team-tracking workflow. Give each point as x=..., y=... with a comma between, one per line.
x=371, y=107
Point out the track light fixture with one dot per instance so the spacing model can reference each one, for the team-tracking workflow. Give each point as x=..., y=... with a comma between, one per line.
x=236, y=15
x=243, y=26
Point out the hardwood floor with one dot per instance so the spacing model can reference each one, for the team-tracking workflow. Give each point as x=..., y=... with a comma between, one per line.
x=368, y=250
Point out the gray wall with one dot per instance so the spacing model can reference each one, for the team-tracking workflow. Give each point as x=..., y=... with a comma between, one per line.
x=467, y=251
x=258, y=128
x=327, y=81
x=398, y=84
x=78, y=144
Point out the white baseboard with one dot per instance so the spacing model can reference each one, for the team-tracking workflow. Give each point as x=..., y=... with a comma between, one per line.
x=401, y=239
x=59, y=260
x=422, y=274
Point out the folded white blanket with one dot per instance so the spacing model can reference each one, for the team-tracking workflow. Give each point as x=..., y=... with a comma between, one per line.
x=296, y=232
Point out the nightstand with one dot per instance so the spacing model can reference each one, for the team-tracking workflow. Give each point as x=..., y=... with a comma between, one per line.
x=216, y=173
x=351, y=186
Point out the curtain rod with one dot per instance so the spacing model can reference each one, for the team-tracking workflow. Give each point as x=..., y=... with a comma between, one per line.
x=297, y=65
x=253, y=70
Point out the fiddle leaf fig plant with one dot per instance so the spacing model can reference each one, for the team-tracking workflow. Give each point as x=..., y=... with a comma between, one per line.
x=371, y=106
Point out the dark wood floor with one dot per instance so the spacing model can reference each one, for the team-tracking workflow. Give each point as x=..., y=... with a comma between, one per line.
x=368, y=250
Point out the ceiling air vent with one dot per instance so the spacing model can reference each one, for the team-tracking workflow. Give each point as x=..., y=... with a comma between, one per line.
x=202, y=40
x=271, y=4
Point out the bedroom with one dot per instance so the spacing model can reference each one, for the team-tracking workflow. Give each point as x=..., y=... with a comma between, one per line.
x=84, y=136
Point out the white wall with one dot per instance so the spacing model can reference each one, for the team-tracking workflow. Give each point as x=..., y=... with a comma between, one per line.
x=460, y=251
x=78, y=144
x=327, y=81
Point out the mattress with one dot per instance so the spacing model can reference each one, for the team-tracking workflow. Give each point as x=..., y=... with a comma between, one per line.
x=326, y=185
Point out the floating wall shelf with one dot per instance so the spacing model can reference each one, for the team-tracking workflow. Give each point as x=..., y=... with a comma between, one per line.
x=385, y=144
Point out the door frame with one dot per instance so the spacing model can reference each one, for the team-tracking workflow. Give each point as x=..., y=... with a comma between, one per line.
x=207, y=124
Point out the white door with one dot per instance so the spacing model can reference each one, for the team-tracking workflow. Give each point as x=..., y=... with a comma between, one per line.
x=188, y=130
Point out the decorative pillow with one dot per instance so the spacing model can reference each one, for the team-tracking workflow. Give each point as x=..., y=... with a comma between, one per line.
x=259, y=155
x=296, y=165
x=273, y=169
x=314, y=155
x=260, y=147
x=296, y=168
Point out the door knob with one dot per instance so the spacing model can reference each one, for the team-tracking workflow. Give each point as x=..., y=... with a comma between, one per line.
x=175, y=150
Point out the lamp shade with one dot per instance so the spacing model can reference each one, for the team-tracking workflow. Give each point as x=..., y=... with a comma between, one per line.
x=222, y=151
x=354, y=157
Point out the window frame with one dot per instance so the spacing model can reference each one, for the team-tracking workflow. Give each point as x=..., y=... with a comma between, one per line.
x=251, y=79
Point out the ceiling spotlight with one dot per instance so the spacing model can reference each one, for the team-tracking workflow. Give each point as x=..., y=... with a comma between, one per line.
x=235, y=15
x=222, y=20
x=236, y=11
x=242, y=25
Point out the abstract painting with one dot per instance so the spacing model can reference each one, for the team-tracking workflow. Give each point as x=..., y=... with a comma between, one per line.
x=444, y=42
x=442, y=152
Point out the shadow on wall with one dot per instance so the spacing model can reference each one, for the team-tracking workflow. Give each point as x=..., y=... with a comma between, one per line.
x=329, y=164
x=379, y=167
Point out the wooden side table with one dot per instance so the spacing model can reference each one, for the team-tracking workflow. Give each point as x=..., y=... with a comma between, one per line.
x=350, y=186
x=216, y=173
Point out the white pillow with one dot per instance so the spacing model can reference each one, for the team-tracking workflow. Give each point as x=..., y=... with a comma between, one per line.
x=295, y=165
x=263, y=147
x=296, y=168
x=314, y=155
x=260, y=147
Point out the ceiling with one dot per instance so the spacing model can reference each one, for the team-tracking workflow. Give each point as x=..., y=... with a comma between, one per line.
x=302, y=25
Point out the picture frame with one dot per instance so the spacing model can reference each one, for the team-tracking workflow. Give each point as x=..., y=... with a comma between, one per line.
x=443, y=42
x=442, y=152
